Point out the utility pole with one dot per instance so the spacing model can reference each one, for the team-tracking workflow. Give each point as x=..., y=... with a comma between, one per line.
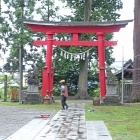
x=122, y=75
x=20, y=71
x=21, y=64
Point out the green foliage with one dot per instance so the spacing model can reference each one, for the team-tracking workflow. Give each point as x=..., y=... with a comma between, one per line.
x=21, y=36
x=1, y=92
x=96, y=92
x=102, y=10
x=47, y=10
x=2, y=78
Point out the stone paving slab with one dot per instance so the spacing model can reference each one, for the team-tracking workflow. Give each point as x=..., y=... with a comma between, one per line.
x=97, y=130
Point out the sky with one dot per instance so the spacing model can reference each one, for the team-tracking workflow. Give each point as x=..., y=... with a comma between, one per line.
x=124, y=48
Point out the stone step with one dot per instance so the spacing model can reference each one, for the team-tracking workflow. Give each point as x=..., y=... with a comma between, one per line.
x=30, y=130
x=97, y=130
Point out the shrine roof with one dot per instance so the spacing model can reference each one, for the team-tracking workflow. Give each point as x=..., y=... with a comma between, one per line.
x=75, y=27
x=126, y=70
x=77, y=23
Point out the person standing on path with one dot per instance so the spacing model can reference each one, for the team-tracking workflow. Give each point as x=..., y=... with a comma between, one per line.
x=64, y=94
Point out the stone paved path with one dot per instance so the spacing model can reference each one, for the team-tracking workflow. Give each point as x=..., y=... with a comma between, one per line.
x=67, y=124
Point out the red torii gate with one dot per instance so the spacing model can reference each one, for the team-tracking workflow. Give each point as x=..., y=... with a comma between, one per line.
x=50, y=28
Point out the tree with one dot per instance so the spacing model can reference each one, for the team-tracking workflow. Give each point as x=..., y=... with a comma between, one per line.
x=135, y=96
x=5, y=33
x=82, y=82
x=93, y=11
x=21, y=37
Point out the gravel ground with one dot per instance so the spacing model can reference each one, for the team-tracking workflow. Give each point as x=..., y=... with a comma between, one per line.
x=14, y=117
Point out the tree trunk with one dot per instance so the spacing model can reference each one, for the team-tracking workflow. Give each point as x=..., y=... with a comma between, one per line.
x=135, y=96
x=87, y=10
x=82, y=82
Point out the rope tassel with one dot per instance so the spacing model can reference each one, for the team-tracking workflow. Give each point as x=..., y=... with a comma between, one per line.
x=75, y=56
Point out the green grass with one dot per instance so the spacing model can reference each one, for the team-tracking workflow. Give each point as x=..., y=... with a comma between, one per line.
x=123, y=122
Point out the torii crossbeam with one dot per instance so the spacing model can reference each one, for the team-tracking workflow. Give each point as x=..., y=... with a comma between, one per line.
x=50, y=28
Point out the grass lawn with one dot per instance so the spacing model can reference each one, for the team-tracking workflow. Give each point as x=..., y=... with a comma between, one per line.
x=123, y=122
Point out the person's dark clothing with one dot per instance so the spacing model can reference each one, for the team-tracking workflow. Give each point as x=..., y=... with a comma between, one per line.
x=64, y=95
x=63, y=101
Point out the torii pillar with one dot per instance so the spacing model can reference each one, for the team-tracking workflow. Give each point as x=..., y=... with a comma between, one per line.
x=101, y=56
x=74, y=28
x=47, y=81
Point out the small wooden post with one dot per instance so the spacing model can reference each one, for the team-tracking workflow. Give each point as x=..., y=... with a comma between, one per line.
x=5, y=88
